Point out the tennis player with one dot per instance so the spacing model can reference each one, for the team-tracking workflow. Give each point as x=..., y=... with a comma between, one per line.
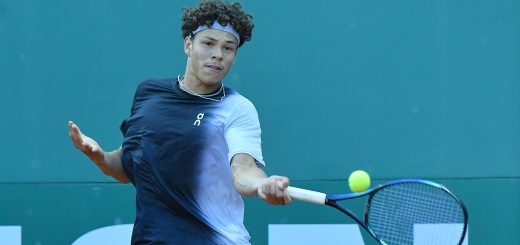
x=191, y=145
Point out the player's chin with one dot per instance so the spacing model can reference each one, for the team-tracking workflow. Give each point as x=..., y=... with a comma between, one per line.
x=210, y=80
x=215, y=77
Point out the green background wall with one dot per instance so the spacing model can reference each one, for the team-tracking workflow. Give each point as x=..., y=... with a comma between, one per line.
x=403, y=89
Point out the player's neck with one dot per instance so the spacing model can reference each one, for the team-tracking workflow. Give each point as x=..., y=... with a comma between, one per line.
x=192, y=84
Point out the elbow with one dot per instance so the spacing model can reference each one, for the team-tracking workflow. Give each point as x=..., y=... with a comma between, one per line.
x=124, y=181
x=105, y=170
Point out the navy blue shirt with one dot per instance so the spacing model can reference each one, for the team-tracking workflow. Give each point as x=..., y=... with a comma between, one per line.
x=176, y=151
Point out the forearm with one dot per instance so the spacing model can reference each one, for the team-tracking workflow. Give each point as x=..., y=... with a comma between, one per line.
x=113, y=166
x=247, y=177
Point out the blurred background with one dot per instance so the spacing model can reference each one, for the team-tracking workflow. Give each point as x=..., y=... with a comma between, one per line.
x=402, y=89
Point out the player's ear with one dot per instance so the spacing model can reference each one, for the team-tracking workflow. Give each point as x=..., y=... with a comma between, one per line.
x=188, y=45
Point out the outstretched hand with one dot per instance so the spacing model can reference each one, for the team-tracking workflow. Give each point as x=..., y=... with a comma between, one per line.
x=86, y=144
x=274, y=190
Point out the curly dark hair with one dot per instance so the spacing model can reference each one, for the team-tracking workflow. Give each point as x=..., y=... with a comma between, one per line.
x=210, y=10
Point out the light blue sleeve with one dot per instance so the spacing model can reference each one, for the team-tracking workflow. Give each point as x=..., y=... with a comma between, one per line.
x=243, y=134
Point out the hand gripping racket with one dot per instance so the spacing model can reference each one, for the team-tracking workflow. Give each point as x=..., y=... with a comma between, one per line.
x=397, y=210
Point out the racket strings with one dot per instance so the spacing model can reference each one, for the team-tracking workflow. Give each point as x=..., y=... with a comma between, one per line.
x=410, y=213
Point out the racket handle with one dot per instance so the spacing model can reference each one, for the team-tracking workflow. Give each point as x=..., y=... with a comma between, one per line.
x=307, y=195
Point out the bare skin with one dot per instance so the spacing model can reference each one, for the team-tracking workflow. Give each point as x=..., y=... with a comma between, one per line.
x=211, y=54
x=248, y=179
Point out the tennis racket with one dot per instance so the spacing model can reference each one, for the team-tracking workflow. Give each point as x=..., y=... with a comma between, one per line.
x=397, y=210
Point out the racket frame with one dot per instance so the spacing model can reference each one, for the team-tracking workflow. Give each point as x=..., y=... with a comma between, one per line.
x=331, y=200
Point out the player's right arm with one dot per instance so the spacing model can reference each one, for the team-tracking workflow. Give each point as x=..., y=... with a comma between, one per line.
x=108, y=162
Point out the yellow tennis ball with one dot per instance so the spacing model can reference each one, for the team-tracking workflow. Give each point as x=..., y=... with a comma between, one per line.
x=359, y=181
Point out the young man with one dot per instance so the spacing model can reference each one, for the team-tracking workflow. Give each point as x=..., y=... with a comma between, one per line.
x=191, y=145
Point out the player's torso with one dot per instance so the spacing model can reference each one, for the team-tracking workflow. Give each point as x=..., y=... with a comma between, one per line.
x=178, y=133
x=180, y=157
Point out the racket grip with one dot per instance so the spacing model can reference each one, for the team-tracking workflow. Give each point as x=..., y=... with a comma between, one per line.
x=307, y=195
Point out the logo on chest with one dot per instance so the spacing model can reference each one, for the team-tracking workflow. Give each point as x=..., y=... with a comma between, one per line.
x=198, y=121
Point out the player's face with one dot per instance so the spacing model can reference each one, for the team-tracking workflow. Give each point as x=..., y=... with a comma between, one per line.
x=211, y=53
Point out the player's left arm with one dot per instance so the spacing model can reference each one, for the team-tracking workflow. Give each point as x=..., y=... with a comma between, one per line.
x=251, y=181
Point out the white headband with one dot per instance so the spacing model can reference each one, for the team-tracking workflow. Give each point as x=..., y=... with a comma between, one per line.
x=217, y=26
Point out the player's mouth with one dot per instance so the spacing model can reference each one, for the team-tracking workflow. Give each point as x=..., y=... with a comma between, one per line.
x=215, y=67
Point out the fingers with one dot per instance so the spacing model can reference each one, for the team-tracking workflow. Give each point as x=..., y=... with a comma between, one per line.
x=261, y=194
x=86, y=147
x=286, y=197
x=85, y=144
x=274, y=190
x=75, y=135
x=73, y=130
x=77, y=139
